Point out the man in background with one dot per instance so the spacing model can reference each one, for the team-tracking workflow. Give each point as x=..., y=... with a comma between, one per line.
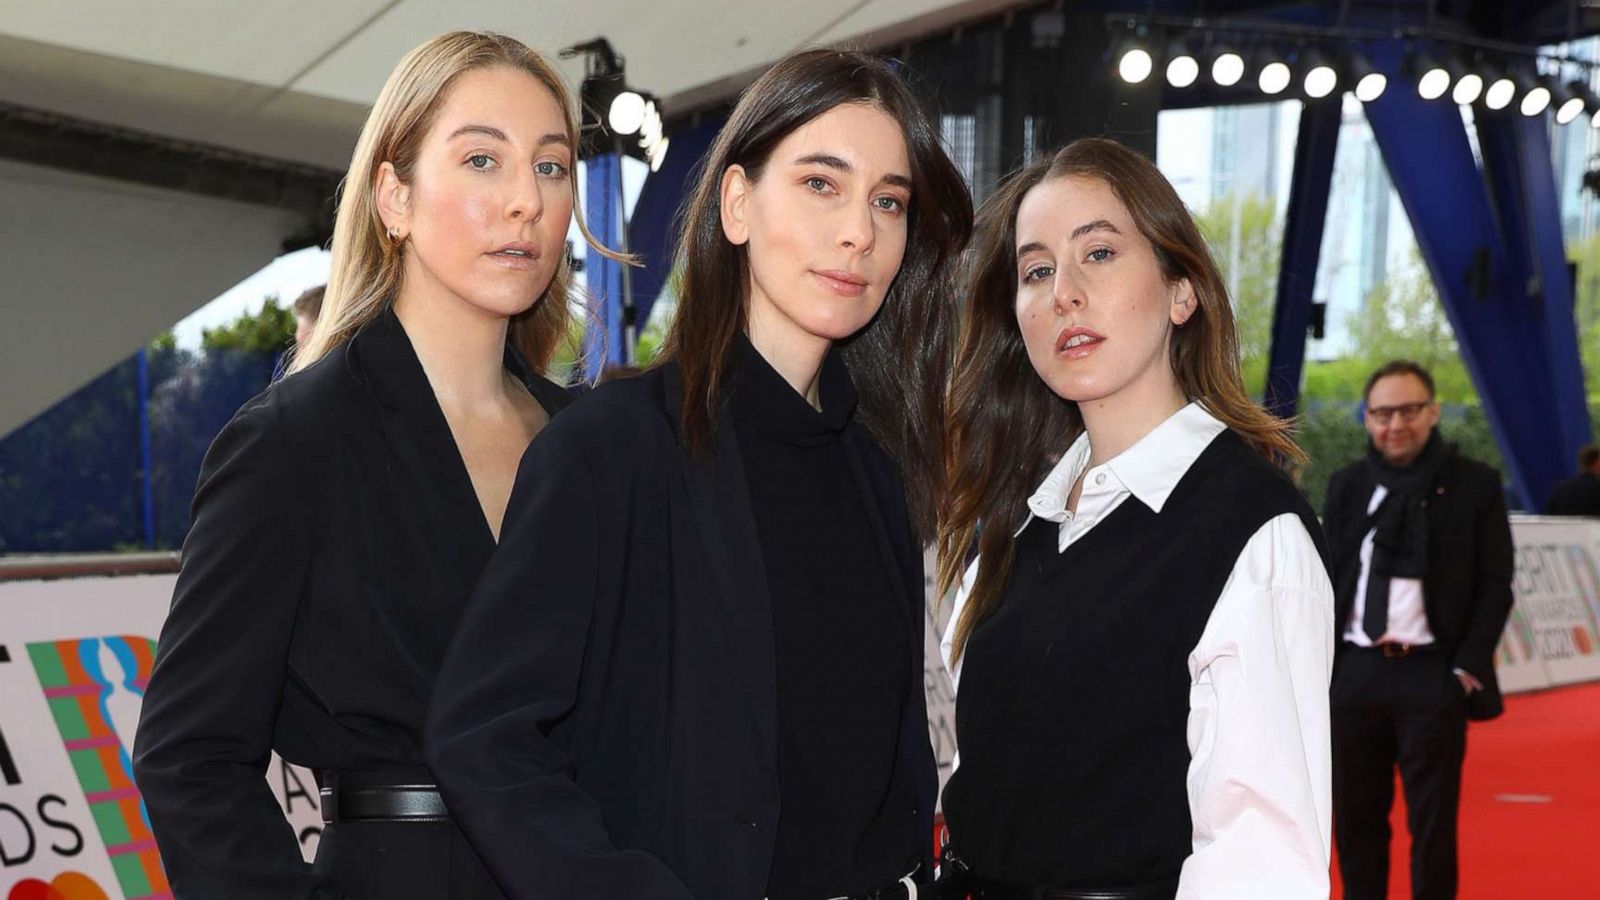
x=307, y=307
x=1421, y=556
x=1579, y=496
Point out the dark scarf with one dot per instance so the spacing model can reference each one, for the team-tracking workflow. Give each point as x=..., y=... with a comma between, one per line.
x=1400, y=523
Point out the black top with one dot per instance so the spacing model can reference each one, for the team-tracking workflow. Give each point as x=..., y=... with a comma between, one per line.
x=606, y=722
x=1577, y=496
x=1466, y=591
x=842, y=654
x=1073, y=711
x=336, y=538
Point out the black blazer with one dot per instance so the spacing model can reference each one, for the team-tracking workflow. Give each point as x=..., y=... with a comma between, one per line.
x=336, y=538
x=605, y=724
x=1578, y=496
x=1467, y=589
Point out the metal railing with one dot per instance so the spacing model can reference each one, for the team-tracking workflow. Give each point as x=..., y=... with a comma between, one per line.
x=80, y=565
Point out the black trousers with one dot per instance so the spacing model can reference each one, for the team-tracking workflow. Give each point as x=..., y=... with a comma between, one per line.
x=404, y=861
x=1410, y=712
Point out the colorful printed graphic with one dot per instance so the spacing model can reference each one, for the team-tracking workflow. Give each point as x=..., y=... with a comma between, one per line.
x=66, y=886
x=1583, y=570
x=92, y=708
x=1516, y=645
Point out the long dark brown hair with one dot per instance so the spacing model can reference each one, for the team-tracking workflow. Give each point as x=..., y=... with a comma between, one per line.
x=1007, y=428
x=901, y=359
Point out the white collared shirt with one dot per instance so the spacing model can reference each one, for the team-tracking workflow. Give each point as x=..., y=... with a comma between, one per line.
x=1260, y=752
x=1408, y=618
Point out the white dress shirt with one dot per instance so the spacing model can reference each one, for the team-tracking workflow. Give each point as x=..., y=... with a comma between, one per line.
x=1260, y=767
x=1408, y=621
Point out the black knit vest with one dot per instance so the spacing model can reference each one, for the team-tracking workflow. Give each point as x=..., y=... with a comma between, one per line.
x=1072, y=715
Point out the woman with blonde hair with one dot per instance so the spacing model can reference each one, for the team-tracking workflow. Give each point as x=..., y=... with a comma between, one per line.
x=343, y=516
x=1142, y=645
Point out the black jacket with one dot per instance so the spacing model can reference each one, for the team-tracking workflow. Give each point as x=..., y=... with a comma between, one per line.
x=336, y=538
x=1467, y=589
x=605, y=724
x=1579, y=496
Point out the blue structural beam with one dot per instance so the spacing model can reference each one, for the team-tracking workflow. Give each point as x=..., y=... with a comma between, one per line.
x=1516, y=162
x=602, y=344
x=1501, y=333
x=1302, y=247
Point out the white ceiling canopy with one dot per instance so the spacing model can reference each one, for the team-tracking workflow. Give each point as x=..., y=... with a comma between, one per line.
x=292, y=78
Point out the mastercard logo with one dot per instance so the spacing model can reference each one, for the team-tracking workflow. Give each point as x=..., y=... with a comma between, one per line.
x=66, y=886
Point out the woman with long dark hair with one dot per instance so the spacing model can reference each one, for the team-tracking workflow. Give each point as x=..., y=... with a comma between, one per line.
x=693, y=667
x=1142, y=645
x=344, y=515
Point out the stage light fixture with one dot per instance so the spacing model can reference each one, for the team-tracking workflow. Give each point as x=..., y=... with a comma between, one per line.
x=1433, y=80
x=1274, y=74
x=1227, y=67
x=627, y=112
x=1534, y=92
x=1370, y=83
x=1501, y=91
x=1134, y=63
x=1469, y=87
x=1568, y=103
x=1591, y=100
x=1321, y=78
x=1182, y=67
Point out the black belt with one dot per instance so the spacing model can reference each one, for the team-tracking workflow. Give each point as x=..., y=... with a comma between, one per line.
x=383, y=803
x=1395, y=649
x=960, y=883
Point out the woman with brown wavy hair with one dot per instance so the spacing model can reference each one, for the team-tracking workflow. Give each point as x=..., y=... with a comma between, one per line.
x=1142, y=644
x=693, y=669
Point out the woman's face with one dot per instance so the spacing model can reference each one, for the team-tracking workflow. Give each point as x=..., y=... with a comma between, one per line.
x=825, y=226
x=1094, y=308
x=484, y=217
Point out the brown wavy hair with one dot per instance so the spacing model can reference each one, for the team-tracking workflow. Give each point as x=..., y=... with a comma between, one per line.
x=900, y=361
x=1007, y=428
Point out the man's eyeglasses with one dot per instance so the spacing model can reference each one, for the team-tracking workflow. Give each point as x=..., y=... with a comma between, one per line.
x=1408, y=412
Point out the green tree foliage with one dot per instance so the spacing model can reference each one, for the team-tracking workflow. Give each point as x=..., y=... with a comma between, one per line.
x=268, y=331
x=1256, y=248
x=1587, y=290
x=1401, y=319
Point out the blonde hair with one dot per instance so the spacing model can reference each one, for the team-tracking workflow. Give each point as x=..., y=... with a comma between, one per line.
x=367, y=266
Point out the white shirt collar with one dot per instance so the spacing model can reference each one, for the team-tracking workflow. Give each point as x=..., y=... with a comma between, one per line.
x=1150, y=469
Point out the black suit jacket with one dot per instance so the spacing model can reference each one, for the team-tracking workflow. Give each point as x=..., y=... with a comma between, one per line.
x=1467, y=589
x=1579, y=496
x=605, y=724
x=336, y=538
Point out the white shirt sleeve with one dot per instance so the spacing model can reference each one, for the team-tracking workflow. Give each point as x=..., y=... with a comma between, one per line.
x=1260, y=771
x=947, y=640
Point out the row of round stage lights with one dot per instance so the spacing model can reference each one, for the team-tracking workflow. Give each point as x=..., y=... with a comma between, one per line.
x=1533, y=94
x=1273, y=74
x=1321, y=78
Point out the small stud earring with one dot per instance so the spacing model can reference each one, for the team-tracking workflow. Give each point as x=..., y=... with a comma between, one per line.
x=394, y=234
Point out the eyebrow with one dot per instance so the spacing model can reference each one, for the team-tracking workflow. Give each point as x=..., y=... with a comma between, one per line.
x=485, y=130
x=554, y=137
x=841, y=165
x=1096, y=225
x=1029, y=247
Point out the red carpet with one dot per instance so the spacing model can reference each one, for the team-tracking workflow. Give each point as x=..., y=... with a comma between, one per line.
x=1530, y=805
